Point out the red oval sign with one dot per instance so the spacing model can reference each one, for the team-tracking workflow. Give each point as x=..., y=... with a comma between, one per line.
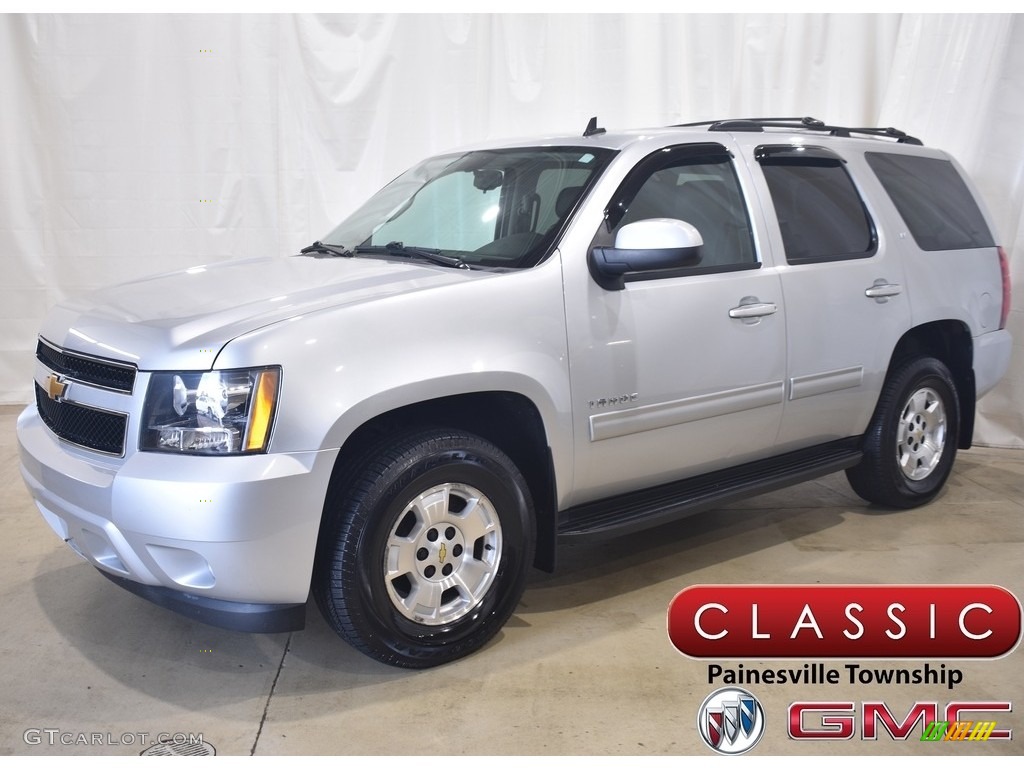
x=844, y=621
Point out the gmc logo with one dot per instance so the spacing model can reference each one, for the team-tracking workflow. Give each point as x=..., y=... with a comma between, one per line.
x=837, y=720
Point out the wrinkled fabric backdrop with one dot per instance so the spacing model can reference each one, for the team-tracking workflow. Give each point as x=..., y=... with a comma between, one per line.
x=131, y=144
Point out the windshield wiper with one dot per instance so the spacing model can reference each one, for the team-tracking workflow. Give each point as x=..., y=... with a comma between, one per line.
x=330, y=250
x=434, y=256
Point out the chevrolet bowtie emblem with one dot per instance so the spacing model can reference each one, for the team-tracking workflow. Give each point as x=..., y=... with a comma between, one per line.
x=442, y=553
x=55, y=387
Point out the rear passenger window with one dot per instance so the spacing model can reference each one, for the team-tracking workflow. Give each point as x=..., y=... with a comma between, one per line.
x=820, y=212
x=935, y=203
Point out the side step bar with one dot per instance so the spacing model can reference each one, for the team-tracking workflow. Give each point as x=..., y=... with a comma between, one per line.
x=665, y=503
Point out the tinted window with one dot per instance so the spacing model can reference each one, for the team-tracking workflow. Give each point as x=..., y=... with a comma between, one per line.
x=701, y=190
x=933, y=200
x=819, y=210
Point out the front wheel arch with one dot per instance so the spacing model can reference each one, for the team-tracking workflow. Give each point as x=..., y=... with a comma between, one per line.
x=380, y=519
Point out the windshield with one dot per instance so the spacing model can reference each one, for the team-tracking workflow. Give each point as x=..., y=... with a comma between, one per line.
x=495, y=208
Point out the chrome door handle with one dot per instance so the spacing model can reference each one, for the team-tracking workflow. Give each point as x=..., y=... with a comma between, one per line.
x=746, y=311
x=881, y=290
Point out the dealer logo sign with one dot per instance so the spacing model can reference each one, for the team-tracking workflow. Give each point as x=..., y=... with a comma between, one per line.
x=731, y=721
x=845, y=621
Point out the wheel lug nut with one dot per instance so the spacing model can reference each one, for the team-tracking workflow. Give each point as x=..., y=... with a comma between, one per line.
x=447, y=570
x=432, y=534
x=457, y=550
x=422, y=554
x=449, y=533
x=429, y=571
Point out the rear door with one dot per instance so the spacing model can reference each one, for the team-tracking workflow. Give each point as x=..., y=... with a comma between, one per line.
x=843, y=283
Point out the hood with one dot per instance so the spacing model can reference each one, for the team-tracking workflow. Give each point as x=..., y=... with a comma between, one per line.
x=181, y=320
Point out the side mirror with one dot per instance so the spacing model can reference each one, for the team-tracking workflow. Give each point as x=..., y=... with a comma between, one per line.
x=646, y=249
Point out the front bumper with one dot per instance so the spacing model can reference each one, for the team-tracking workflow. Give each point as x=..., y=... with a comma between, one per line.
x=241, y=617
x=220, y=538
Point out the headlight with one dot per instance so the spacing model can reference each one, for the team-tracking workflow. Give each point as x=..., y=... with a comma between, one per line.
x=215, y=412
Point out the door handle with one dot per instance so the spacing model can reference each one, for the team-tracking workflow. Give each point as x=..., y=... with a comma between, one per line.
x=882, y=289
x=751, y=309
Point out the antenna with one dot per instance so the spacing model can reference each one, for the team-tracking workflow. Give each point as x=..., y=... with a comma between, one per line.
x=592, y=129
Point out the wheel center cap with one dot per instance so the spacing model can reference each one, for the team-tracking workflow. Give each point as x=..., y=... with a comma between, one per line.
x=440, y=551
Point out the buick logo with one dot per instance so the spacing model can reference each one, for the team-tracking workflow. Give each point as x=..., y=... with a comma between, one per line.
x=731, y=721
x=55, y=387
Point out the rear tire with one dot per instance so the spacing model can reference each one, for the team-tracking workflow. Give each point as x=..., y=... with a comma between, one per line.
x=425, y=550
x=911, y=444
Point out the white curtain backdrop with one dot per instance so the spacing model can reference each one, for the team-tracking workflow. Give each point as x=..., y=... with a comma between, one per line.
x=131, y=144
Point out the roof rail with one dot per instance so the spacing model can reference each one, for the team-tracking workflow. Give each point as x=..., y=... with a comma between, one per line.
x=758, y=124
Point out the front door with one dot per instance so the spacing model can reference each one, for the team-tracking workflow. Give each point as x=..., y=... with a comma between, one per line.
x=684, y=373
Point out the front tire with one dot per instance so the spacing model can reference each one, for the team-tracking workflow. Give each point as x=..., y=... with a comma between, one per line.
x=425, y=549
x=911, y=443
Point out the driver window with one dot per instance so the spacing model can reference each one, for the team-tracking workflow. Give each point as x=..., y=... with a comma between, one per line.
x=704, y=192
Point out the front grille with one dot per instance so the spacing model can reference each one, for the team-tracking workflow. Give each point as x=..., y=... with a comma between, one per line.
x=86, y=369
x=97, y=430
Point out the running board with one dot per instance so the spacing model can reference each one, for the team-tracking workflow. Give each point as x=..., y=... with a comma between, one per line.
x=665, y=503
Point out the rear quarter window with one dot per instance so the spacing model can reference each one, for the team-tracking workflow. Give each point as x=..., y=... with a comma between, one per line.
x=935, y=203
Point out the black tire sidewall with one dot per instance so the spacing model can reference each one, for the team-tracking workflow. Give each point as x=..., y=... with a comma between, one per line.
x=916, y=375
x=429, y=463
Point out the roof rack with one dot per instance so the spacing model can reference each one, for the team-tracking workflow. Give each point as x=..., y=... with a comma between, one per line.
x=758, y=124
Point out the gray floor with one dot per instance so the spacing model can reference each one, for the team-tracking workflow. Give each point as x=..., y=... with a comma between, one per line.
x=583, y=667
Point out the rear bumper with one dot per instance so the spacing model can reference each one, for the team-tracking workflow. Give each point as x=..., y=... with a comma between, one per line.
x=991, y=359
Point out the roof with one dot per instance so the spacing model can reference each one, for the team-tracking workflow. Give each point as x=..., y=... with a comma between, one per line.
x=619, y=139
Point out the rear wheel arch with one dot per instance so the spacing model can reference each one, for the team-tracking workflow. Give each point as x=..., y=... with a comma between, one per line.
x=911, y=443
x=950, y=342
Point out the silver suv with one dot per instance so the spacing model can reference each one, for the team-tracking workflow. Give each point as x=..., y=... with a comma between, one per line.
x=512, y=346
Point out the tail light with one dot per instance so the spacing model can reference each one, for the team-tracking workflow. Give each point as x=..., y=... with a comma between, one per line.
x=1004, y=267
